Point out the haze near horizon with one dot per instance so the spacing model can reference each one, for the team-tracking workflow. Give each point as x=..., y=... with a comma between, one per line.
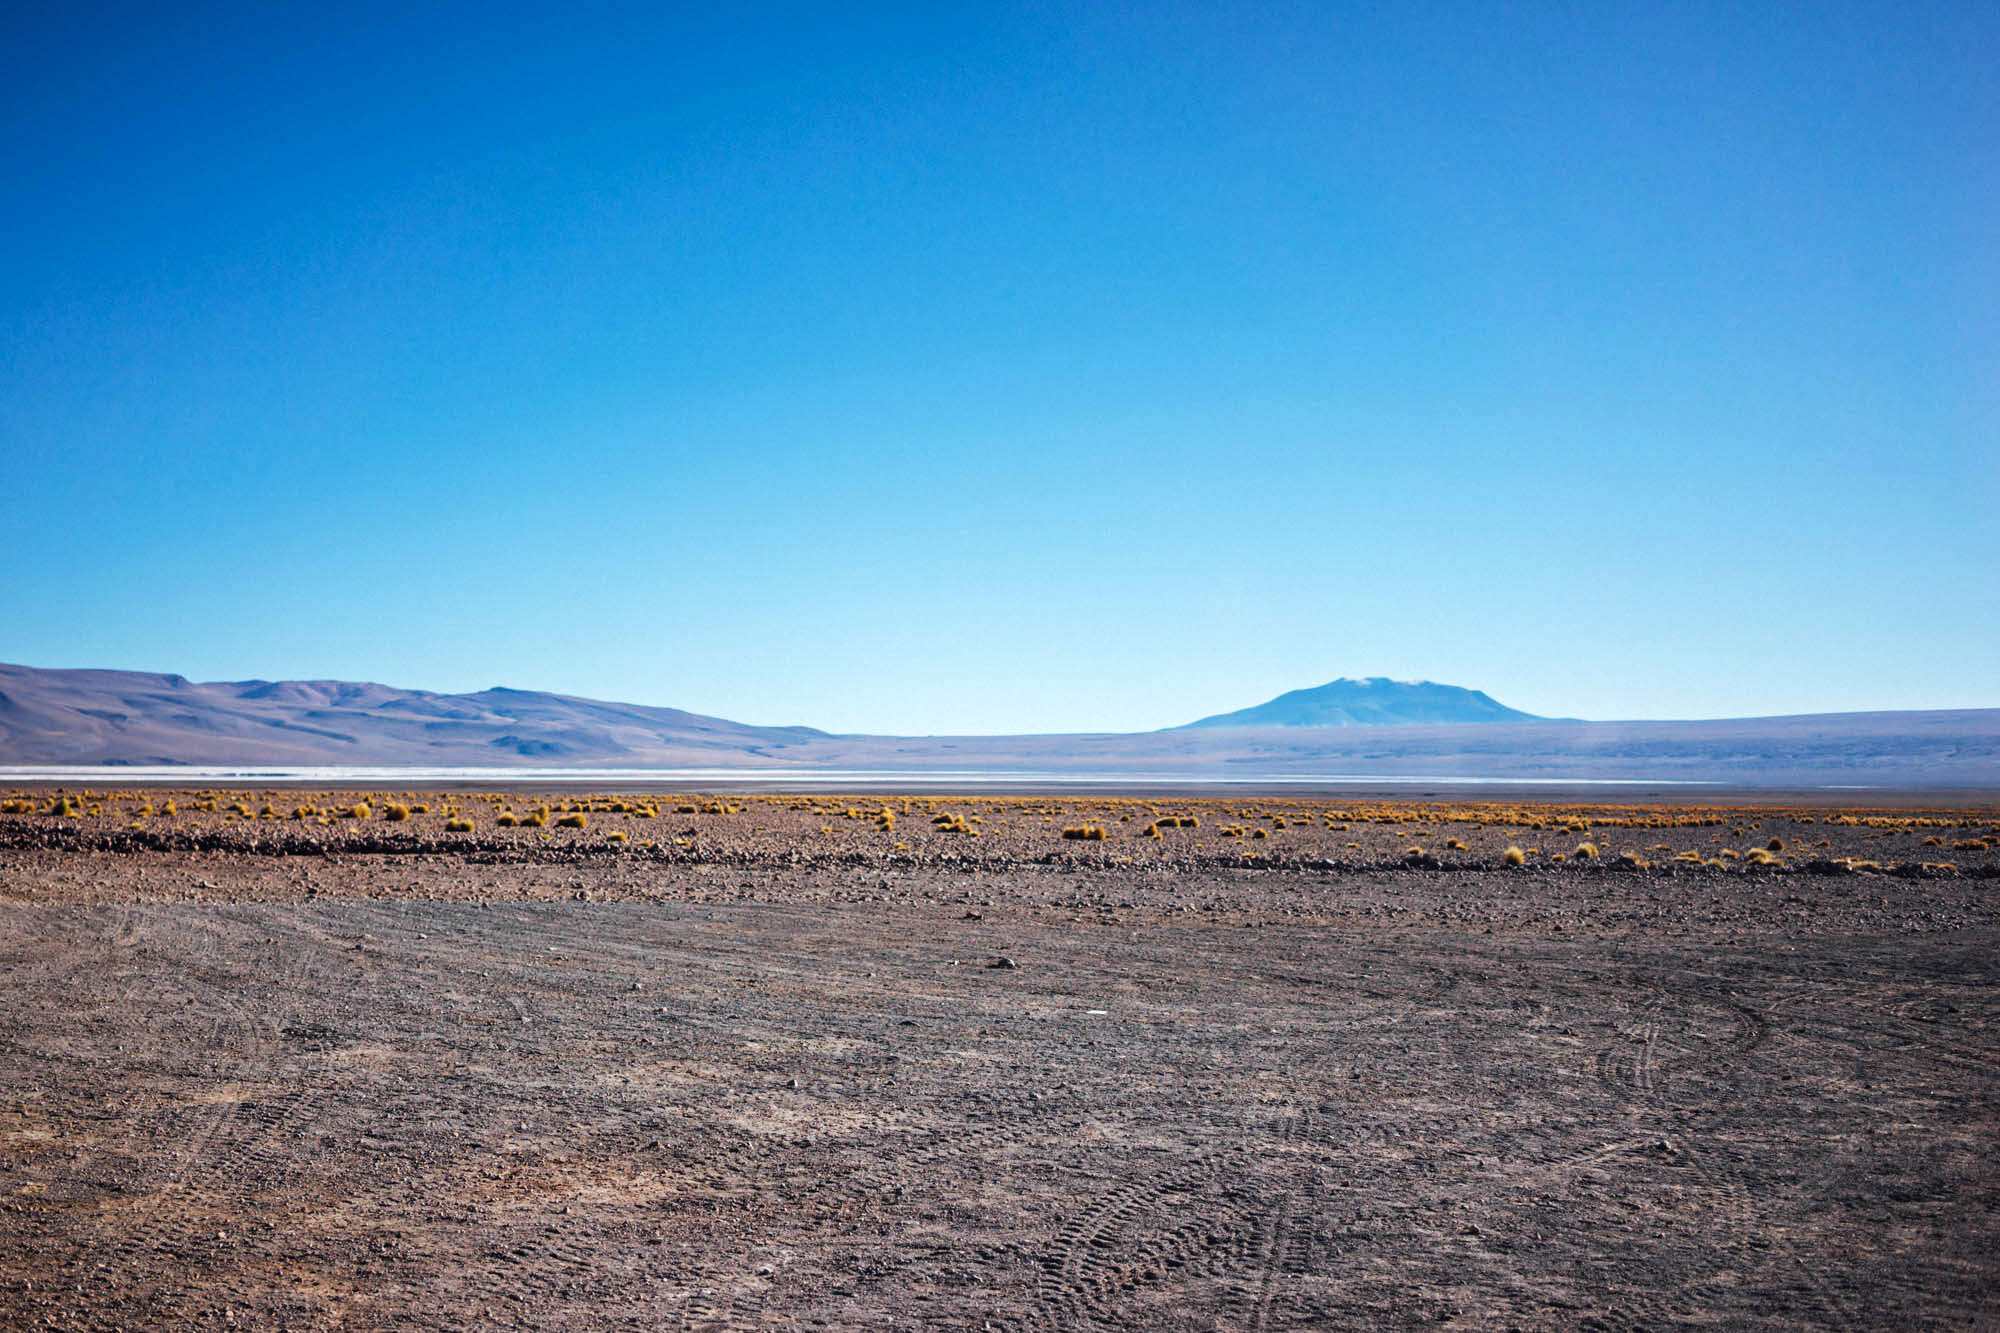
x=1053, y=369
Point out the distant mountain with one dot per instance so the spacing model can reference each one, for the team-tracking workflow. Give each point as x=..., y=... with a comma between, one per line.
x=1347, y=730
x=1372, y=701
x=132, y=717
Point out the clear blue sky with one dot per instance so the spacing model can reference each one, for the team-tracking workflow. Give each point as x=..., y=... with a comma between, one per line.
x=1054, y=367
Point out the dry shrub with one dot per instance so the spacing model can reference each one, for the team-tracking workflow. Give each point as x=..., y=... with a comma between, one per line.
x=1585, y=851
x=394, y=813
x=1084, y=833
x=1514, y=856
x=458, y=826
x=574, y=819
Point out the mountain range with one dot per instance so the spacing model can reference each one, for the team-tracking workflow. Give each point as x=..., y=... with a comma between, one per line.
x=1369, y=727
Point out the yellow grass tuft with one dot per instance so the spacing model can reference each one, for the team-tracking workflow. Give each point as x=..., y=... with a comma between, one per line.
x=458, y=826
x=574, y=819
x=1514, y=856
x=1084, y=833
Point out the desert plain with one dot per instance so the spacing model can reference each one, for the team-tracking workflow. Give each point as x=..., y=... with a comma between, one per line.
x=275, y=1058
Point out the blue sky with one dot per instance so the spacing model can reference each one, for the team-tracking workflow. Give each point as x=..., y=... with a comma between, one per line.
x=1041, y=368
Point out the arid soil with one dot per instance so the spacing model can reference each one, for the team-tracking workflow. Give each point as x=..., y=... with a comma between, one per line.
x=770, y=1068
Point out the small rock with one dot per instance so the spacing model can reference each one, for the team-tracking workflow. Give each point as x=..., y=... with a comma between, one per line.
x=1003, y=962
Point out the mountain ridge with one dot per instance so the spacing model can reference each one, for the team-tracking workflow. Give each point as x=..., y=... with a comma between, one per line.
x=93, y=717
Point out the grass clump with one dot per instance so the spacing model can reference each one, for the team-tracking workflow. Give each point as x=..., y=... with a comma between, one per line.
x=1585, y=851
x=395, y=813
x=1514, y=856
x=1084, y=833
x=458, y=826
x=507, y=819
x=574, y=819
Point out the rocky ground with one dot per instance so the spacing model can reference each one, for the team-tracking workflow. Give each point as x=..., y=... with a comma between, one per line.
x=765, y=1066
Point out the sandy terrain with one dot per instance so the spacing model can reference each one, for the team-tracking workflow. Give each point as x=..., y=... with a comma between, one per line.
x=768, y=1069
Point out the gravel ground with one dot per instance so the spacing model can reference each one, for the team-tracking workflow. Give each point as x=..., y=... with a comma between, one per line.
x=272, y=1073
